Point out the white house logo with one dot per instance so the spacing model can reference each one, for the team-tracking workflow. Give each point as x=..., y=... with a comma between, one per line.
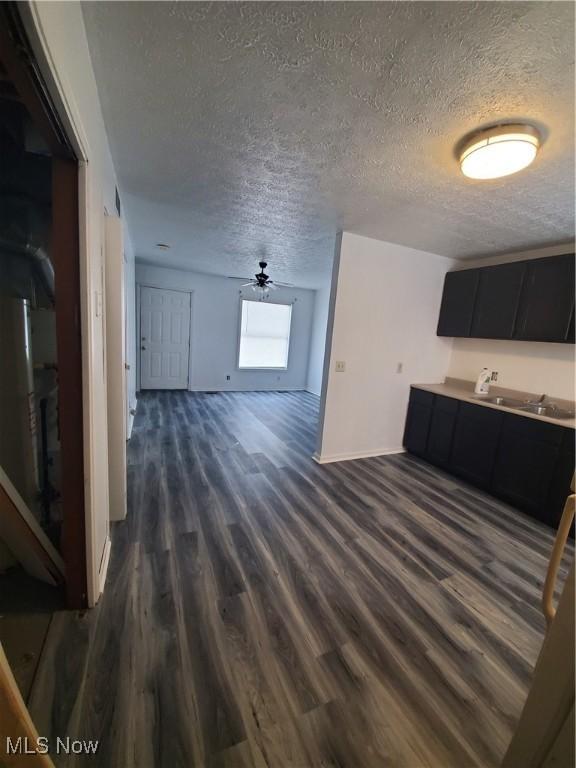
x=44, y=746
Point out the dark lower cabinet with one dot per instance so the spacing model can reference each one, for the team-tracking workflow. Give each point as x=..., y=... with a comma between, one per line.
x=442, y=425
x=527, y=462
x=418, y=421
x=475, y=443
x=528, y=453
x=561, y=479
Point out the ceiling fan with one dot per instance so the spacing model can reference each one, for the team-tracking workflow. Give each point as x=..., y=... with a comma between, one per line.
x=261, y=284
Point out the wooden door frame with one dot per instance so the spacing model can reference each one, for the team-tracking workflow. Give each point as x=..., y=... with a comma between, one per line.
x=18, y=59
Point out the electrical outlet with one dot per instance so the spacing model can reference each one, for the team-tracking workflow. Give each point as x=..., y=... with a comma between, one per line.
x=399, y=367
x=340, y=366
x=228, y=378
x=494, y=376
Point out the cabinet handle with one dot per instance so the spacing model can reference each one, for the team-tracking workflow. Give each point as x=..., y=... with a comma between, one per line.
x=556, y=557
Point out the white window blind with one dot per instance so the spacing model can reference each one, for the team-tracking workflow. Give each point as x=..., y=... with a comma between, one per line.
x=264, y=335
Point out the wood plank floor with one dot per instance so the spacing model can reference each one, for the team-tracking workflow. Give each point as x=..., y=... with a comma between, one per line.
x=262, y=610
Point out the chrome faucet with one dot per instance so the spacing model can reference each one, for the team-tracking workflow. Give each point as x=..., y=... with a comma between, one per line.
x=537, y=401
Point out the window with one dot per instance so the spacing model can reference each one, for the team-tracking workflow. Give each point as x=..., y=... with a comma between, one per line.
x=264, y=335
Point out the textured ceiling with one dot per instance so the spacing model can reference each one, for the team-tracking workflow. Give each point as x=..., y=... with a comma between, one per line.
x=241, y=129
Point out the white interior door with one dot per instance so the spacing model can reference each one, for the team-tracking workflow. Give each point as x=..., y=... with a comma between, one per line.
x=164, y=338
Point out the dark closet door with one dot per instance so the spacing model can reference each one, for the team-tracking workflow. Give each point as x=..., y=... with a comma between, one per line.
x=497, y=301
x=458, y=303
x=547, y=300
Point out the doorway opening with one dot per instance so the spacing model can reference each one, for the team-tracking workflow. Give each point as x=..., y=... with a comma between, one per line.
x=42, y=526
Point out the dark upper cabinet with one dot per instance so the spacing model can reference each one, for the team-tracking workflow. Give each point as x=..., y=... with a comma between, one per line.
x=528, y=454
x=475, y=442
x=458, y=303
x=418, y=421
x=497, y=301
x=530, y=300
x=547, y=302
x=441, y=431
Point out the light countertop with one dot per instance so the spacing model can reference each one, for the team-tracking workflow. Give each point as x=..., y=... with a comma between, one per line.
x=459, y=389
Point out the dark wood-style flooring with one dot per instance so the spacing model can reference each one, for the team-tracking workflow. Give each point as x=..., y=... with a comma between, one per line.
x=262, y=610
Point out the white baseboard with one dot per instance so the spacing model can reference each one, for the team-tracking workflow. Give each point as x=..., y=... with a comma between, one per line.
x=310, y=391
x=358, y=455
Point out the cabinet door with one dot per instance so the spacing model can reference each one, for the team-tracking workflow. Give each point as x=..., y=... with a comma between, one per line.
x=497, y=301
x=527, y=456
x=547, y=300
x=418, y=421
x=442, y=430
x=458, y=303
x=475, y=442
x=561, y=479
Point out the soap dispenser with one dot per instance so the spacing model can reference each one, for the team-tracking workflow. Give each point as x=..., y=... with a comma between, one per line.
x=483, y=382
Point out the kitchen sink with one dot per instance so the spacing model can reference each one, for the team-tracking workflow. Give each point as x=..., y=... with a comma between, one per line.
x=507, y=402
x=540, y=409
x=548, y=410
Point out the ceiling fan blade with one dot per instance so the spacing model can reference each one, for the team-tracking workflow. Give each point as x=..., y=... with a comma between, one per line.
x=245, y=284
x=285, y=285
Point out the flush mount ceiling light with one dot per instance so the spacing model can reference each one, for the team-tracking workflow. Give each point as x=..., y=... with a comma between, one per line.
x=499, y=151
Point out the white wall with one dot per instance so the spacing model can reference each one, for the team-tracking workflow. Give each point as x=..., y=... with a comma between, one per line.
x=318, y=340
x=56, y=31
x=215, y=327
x=388, y=318
x=529, y=366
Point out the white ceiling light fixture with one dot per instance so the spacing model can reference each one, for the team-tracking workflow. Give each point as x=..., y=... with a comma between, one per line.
x=499, y=151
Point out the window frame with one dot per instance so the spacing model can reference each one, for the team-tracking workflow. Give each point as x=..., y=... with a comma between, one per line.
x=285, y=303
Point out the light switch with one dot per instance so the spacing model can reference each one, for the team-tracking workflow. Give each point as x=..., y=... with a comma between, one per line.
x=340, y=366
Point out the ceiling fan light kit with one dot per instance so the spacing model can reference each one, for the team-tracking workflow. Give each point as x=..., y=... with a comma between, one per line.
x=261, y=285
